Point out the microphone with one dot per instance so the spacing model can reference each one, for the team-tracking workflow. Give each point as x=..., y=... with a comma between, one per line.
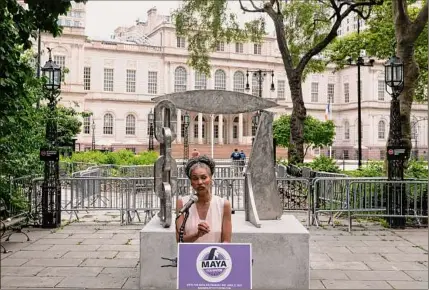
x=193, y=199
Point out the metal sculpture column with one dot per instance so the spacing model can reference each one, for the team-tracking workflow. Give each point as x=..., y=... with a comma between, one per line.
x=165, y=169
x=186, y=121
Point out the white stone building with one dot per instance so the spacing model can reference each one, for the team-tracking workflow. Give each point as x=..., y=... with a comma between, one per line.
x=116, y=79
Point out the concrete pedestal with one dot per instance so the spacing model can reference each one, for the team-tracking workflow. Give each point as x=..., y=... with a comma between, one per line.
x=280, y=252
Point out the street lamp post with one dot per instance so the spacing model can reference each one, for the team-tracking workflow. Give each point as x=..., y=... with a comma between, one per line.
x=359, y=63
x=186, y=121
x=396, y=153
x=51, y=187
x=93, y=135
x=260, y=74
x=150, y=119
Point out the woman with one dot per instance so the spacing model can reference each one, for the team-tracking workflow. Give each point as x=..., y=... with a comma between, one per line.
x=209, y=218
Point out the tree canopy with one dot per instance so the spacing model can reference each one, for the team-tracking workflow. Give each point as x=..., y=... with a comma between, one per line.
x=316, y=133
x=378, y=40
x=21, y=123
x=303, y=30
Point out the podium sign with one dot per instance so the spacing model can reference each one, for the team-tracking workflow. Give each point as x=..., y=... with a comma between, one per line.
x=214, y=266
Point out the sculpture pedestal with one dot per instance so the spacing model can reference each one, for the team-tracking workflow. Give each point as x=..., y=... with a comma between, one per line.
x=280, y=252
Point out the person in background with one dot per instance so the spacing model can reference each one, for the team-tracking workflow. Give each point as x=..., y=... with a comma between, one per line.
x=242, y=160
x=235, y=156
x=195, y=153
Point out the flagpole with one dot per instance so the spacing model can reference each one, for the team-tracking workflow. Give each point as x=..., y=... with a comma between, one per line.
x=212, y=134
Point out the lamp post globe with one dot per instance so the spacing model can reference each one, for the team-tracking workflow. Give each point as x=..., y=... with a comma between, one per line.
x=52, y=72
x=394, y=75
x=186, y=119
x=151, y=117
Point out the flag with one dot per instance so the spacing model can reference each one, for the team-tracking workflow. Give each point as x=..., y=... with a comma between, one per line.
x=328, y=112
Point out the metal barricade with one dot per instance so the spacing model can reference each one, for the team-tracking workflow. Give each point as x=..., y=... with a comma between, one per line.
x=365, y=197
x=295, y=195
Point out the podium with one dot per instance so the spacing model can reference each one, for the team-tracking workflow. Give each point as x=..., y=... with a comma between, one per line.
x=214, y=266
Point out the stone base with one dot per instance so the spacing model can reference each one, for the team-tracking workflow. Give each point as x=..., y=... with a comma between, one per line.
x=280, y=252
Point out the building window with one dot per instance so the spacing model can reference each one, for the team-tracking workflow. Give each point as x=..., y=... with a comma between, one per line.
x=346, y=130
x=203, y=129
x=314, y=92
x=61, y=61
x=131, y=81
x=381, y=89
x=87, y=78
x=152, y=82
x=108, y=79
x=87, y=125
x=257, y=48
x=239, y=48
x=180, y=79
x=238, y=82
x=381, y=130
x=255, y=85
x=108, y=124
x=220, y=46
x=181, y=42
x=331, y=92
x=200, y=81
x=346, y=154
x=382, y=154
x=220, y=80
x=346, y=93
x=216, y=130
x=130, y=125
x=281, y=88
x=235, y=128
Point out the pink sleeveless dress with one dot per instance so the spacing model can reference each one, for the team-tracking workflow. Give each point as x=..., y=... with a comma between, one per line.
x=214, y=219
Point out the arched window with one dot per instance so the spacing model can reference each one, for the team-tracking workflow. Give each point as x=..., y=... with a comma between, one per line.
x=255, y=84
x=381, y=129
x=196, y=127
x=180, y=79
x=108, y=124
x=235, y=128
x=130, y=125
x=239, y=81
x=220, y=80
x=346, y=130
x=87, y=125
x=200, y=81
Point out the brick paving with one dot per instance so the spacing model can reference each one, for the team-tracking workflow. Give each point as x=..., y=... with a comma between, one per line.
x=97, y=253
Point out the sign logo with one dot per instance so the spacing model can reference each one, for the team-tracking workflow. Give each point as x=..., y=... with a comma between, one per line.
x=214, y=264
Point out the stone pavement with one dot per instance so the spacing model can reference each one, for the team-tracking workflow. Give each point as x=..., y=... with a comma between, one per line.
x=99, y=253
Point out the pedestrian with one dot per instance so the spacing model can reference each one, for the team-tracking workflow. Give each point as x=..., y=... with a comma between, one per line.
x=195, y=153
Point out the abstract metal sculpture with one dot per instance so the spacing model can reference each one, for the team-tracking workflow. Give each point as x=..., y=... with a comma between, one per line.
x=165, y=169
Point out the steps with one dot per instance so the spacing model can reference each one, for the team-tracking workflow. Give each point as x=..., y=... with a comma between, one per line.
x=219, y=151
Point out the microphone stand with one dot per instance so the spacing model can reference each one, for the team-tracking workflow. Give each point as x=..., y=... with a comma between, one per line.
x=182, y=227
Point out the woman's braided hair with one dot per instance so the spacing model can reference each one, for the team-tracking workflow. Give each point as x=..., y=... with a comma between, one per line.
x=202, y=160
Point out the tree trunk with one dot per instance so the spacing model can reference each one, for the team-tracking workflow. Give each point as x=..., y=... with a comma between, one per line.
x=405, y=51
x=296, y=144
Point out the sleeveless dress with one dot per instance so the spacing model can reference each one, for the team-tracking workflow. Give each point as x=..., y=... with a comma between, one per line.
x=214, y=219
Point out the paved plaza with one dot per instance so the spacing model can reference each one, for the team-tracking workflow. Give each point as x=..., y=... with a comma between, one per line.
x=97, y=252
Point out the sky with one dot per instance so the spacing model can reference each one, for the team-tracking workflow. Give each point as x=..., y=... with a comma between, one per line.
x=103, y=17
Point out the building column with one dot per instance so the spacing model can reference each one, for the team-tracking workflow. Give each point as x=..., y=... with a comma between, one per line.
x=179, y=126
x=200, y=128
x=240, y=128
x=220, y=124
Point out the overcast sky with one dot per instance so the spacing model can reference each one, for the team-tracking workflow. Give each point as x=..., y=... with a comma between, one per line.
x=102, y=17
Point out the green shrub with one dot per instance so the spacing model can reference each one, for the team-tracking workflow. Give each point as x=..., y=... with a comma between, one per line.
x=371, y=169
x=323, y=163
x=417, y=169
x=121, y=157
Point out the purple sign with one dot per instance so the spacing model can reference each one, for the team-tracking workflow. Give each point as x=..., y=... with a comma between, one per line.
x=214, y=266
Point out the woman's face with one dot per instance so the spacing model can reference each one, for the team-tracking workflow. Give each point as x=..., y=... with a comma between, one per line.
x=200, y=179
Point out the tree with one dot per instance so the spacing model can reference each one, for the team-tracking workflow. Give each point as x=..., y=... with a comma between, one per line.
x=316, y=133
x=406, y=25
x=303, y=30
x=21, y=133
